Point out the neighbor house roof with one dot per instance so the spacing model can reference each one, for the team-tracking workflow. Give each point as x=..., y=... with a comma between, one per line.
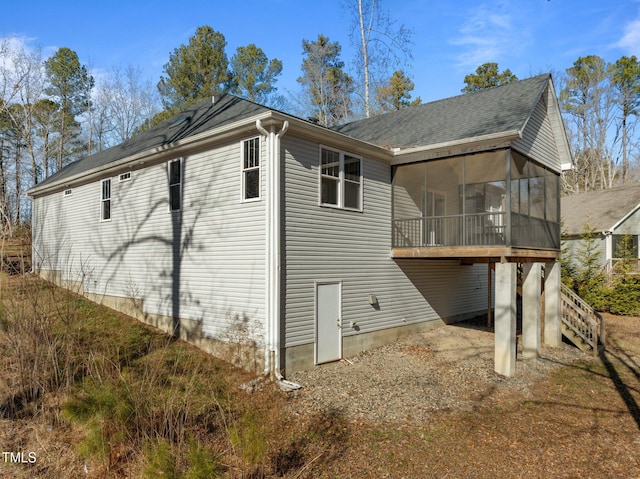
x=598, y=210
x=491, y=111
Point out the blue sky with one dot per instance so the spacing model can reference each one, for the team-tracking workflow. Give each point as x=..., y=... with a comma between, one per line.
x=451, y=39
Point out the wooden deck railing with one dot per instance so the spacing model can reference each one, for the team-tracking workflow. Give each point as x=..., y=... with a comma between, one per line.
x=478, y=229
x=615, y=266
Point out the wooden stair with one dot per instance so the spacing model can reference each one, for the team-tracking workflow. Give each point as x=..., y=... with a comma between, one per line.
x=15, y=255
x=581, y=325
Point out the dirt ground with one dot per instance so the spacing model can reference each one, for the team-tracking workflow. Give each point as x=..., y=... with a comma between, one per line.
x=428, y=406
x=446, y=369
x=431, y=406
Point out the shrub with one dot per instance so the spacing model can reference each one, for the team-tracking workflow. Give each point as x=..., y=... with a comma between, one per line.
x=625, y=296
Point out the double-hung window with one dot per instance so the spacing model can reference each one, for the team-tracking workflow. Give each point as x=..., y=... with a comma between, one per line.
x=251, y=169
x=340, y=179
x=175, y=185
x=105, y=203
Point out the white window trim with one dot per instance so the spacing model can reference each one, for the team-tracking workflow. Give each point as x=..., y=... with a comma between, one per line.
x=169, y=184
x=243, y=199
x=126, y=176
x=67, y=192
x=341, y=180
x=102, y=200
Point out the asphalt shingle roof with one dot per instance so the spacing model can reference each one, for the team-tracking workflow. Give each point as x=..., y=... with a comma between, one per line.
x=494, y=110
x=601, y=210
x=203, y=116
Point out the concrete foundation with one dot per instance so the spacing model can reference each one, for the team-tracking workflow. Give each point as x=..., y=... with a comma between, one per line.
x=300, y=358
x=249, y=355
x=244, y=353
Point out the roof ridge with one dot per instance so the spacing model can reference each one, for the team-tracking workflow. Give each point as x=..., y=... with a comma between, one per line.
x=441, y=100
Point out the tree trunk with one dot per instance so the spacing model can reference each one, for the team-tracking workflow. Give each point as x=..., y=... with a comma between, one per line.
x=365, y=60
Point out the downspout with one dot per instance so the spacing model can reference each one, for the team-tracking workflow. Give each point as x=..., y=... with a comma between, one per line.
x=273, y=256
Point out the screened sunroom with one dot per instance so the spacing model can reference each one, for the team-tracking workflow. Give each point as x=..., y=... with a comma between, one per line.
x=497, y=198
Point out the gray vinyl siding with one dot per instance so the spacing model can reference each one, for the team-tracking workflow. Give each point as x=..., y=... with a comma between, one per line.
x=630, y=226
x=573, y=245
x=538, y=141
x=325, y=244
x=215, y=243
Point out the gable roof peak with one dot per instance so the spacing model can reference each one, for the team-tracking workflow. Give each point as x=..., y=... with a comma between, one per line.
x=491, y=111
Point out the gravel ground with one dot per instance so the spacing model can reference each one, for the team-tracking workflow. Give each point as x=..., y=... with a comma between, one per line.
x=446, y=369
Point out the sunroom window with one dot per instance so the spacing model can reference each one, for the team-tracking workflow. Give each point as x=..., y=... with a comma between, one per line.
x=496, y=198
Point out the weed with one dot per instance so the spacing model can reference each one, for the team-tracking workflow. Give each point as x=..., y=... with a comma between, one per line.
x=161, y=461
x=203, y=462
x=249, y=438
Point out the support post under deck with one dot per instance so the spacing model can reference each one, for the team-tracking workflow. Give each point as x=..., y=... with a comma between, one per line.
x=531, y=291
x=552, y=305
x=505, y=318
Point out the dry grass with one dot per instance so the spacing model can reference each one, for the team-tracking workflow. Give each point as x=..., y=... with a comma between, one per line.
x=86, y=387
x=123, y=400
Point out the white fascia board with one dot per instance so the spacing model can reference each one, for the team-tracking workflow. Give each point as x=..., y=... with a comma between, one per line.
x=335, y=139
x=455, y=147
x=624, y=218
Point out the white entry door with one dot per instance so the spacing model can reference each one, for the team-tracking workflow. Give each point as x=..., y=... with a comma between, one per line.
x=328, y=322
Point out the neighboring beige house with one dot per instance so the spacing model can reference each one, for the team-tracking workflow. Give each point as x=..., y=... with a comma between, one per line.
x=611, y=215
x=280, y=244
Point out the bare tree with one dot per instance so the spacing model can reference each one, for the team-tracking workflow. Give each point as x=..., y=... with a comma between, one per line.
x=127, y=102
x=10, y=82
x=21, y=77
x=29, y=67
x=382, y=46
x=588, y=103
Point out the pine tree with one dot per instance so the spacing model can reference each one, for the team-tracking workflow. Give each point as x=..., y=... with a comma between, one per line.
x=487, y=75
x=625, y=77
x=396, y=94
x=195, y=71
x=253, y=74
x=328, y=88
x=70, y=87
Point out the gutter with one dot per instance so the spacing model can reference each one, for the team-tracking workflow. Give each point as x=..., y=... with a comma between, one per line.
x=454, y=147
x=151, y=156
x=274, y=257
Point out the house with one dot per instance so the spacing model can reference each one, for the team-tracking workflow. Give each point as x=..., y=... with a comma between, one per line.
x=279, y=244
x=612, y=216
